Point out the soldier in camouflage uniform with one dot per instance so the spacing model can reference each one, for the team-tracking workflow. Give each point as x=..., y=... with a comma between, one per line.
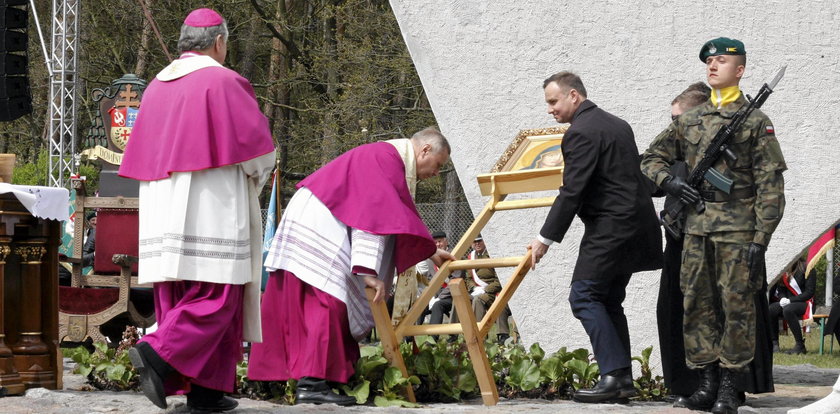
x=723, y=252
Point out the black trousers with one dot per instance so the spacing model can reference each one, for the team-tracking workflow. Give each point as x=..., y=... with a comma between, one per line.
x=440, y=308
x=598, y=306
x=679, y=379
x=792, y=314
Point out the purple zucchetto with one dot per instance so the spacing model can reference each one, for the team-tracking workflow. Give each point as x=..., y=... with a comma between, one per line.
x=203, y=18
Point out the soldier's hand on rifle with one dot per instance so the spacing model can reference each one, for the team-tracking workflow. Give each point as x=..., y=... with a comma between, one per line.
x=755, y=260
x=678, y=187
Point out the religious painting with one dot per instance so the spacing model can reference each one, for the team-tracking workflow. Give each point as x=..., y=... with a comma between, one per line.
x=533, y=149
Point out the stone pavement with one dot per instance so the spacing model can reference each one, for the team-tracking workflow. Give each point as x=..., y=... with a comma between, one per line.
x=796, y=386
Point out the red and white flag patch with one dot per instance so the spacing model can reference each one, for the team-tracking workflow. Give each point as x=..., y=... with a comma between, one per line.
x=770, y=129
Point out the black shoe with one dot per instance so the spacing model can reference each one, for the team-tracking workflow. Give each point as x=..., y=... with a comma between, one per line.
x=501, y=338
x=611, y=387
x=206, y=400
x=680, y=401
x=727, y=400
x=153, y=370
x=776, y=348
x=798, y=349
x=704, y=398
x=316, y=391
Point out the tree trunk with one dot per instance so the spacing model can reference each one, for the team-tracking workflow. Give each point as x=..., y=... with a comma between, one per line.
x=278, y=90
x=247, y=58
x=145, y=39
x=330, y=122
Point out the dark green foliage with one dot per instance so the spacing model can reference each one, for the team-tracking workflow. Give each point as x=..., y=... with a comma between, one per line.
x=442, y=372
x=107, y=368
x=650, y=387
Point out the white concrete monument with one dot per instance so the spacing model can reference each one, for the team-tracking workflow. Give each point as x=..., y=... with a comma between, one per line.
x=482, y=64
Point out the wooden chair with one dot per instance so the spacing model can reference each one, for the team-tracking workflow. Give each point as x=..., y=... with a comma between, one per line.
x=111, y=290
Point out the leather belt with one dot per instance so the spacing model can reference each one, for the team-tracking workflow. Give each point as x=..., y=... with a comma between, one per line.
x=715, y=196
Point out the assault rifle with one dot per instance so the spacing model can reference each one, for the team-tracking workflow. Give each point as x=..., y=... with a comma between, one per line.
x=674, y=218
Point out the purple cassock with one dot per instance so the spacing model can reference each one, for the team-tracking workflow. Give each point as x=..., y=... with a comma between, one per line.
x=306, y=331
x=205, y=119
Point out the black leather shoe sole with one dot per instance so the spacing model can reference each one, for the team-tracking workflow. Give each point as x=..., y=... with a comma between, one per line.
x=150, y=381
x=224, y=404
x=596, y=397
x=616, y=397
x=323, y=397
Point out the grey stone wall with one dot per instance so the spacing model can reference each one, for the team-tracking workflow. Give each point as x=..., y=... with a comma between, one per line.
x=482, y=64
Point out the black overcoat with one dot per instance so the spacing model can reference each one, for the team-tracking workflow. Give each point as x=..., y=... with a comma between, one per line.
x=604, y=186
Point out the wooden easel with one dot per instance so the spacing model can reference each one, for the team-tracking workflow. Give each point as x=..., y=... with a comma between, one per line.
x=497, y=186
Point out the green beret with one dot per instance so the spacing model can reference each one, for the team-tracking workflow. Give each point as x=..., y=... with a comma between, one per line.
x=722, y=46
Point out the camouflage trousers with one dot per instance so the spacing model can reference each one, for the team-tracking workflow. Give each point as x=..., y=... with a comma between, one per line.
x=720, y=317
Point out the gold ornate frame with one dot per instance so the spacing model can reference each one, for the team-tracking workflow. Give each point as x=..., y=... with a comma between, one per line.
x=525, y=139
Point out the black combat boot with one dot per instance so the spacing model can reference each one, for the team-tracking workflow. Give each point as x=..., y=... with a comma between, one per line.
x=704, y=398
x=727, y=400
x=797, y=349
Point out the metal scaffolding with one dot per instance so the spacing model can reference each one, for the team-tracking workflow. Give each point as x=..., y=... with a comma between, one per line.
x=62, y=103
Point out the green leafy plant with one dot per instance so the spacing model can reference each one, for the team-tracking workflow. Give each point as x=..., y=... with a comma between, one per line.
x=392, y=385
x=443, y=373
x=650, y=387
x=107, y=368
x=444, y=369
x=370, y=368
x=524, y=375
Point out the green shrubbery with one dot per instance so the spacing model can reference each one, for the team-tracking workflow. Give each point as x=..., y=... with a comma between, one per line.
x=441, y=372
x=107, y=368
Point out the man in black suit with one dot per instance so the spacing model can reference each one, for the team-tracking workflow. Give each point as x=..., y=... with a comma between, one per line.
x=603, y=185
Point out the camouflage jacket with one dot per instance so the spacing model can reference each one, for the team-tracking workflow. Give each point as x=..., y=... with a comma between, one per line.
x=486, y=275
x=759, y=166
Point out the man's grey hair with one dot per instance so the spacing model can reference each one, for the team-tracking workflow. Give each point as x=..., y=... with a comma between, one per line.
x=200, y=38
x=433, y=137
x=567, y=81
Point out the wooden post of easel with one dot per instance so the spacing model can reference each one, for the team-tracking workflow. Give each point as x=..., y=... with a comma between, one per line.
x=497, y=186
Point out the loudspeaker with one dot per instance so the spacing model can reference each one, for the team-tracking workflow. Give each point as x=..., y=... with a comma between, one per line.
x=14, y=108
x=11, y=64
x=15, y=100
x=13, y=41
x=13, y=18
